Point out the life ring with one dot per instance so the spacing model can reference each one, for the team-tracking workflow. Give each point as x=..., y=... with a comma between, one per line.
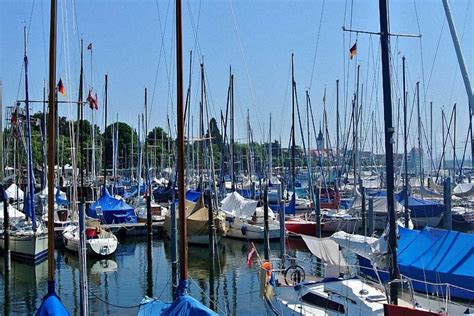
x=294, y=274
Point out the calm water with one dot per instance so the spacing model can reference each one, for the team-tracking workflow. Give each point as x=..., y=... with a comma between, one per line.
x=122, y=279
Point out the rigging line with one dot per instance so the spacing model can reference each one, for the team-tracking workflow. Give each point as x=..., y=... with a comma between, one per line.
x=422, y=61
x=161, y=53
x=316, y=48
x=436, y=54
x=242, y=52
x=462, y=37
x=44, y=40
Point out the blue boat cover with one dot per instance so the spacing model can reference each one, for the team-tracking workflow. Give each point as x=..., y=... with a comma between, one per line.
x=436, y=256
x=113, y=210
x=60, y=200
x=290, y=208
x=423, y=208
x=183, y=305
x=192, y=195
x=164, y=194
x=51, y=304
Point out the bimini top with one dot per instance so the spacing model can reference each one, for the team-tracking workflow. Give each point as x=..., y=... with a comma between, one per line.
x=438, y=256
x=183, y=305
x=113, y=210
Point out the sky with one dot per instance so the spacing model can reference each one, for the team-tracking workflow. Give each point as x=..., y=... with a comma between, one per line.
x=134, y=43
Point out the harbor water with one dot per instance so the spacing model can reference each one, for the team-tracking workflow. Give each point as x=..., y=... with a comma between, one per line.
x=118, y=284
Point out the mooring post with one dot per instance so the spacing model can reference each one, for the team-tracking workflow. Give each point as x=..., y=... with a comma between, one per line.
x=448, y=220
x=363, y=210
x=282, y=224
x=265, y=224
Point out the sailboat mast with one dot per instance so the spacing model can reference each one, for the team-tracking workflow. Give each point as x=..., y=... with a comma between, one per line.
x=51, y=142
x=270, y=150
x=405, y=145
x=180, y=124
x=105, y=130
x=419, y=132
x=30, y=211
x=232, y=147
x=389, y=131
x=293, y=142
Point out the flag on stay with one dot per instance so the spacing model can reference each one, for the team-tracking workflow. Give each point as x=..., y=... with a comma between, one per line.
x=89, y=47
x=250, y=255
x=61, y=87
x=353, y=51
x=92, y=100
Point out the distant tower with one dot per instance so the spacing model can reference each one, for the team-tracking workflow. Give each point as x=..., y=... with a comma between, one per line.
x=320, y=140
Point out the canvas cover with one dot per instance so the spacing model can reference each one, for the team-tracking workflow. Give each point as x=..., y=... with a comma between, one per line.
x=464, y=189
x=327, y=250
x=113, y=210
x=14, y=192
x=236, y=205
x=183, y=305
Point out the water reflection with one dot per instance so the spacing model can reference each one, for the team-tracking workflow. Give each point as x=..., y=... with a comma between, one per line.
x=123, y=280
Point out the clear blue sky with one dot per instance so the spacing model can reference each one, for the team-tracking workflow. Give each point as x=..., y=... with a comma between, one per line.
x=130, y=39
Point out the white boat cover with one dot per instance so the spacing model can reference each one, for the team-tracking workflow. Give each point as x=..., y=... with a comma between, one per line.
x=236, y=205
x=13, y=190
x=380, y=204
x=464, y=189
x=368, y=247
x=44, y=192
x=13, y=213
x=328, y=251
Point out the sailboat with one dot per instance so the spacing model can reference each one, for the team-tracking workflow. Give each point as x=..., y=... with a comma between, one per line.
x=28, y=239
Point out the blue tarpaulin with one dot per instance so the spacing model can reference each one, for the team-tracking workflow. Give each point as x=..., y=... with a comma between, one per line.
x=51, y=304
x=113, y=210
x=164, y=194
x=192, y=195
x=290, y=208
x=60, y=200
x=423, y=208
x=183, y=305
x=436, y=256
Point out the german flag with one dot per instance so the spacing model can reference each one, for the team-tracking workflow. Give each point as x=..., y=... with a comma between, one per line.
x=61, y=87
x=353, y=51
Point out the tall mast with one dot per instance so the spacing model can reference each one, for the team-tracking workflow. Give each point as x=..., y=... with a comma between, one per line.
x=30, y=206
x=464, y=72
x=232, y=147
x=308, y=131
x=105, y=130
x=200, y=156
x=180, y=123
x=337, y=124
x=419, y=132
x=405, y=146
x=389, y=131
x=51, y=143
x=293, y=142
x=270, y=150
x=84, y=295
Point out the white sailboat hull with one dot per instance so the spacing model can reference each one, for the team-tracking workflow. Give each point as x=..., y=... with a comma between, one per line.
x=101, y=246
x=247, y=231
x=27, y=246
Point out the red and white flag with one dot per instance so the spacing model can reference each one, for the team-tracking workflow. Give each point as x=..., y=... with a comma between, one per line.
x=251, y=255
x=92, y=100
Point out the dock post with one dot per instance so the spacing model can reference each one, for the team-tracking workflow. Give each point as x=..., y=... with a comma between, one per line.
x=370, y=227
x=266, y=240
x=282, y=224
x=6, y=231
x=212, y=248
x=448, y=220
x=317, y=214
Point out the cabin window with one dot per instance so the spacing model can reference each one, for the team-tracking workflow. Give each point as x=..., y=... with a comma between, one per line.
x=325, y=303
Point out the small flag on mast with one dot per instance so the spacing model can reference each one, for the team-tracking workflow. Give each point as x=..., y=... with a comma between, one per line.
x=89, y=47
x=353, y=51
x=61, y=87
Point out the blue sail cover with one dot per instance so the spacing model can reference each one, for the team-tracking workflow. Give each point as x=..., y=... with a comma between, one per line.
x=183, y=305
x=51, y=304
x=164, y=194
x=436, y=256
x=192, y=195
x=419, y=207
x=113, y=210
x=290, y=208
x=60, y=200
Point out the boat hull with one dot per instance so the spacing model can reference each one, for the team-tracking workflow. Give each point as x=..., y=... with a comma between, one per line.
x=301, y=227
x=27, y=247
x=250, y=232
